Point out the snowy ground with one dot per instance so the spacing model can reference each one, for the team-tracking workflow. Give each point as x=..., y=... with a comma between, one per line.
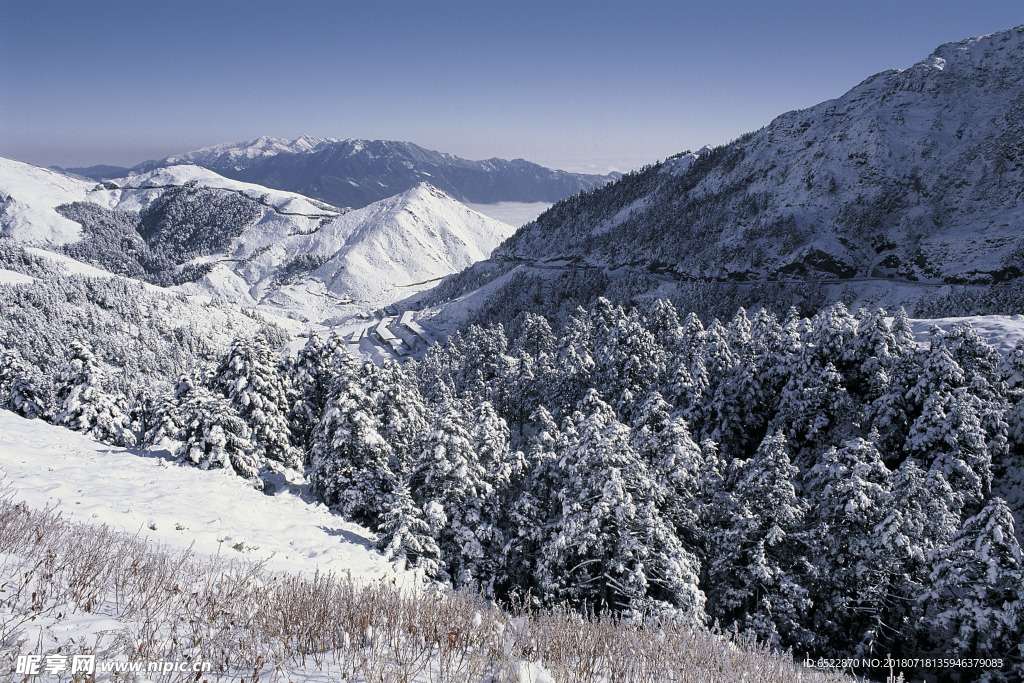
x=9, y=277
x=1001, y=331
x=179, y=505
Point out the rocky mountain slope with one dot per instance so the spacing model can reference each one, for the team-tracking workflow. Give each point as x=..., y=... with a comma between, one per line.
x=355, y=173
x=915, y=174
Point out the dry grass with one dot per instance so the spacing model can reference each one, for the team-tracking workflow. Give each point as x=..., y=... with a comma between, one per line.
x=255, y=624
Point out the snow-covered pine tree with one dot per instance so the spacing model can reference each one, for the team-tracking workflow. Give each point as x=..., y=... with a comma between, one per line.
x=351, y=464
x=575, y=362
x=710, y=368
x=214, y=436
x=404, y=535
x=169, y=414
x=250, y=378
x=849, y=494
x=142, y=412
x=363, y=480
x=758, y=558
x=490, y=437
x=691, y=339
x=738, y=414
x=1011, y=372
x=535, y=336
x=82, y=402
x=903, y=333
x=938, y=372
x=483, y=352
x=531, y=515
x=687, y=388
x=522, y=388
x=976, y=598
x=872, y=355
x=981, y=363
x=402, y=414
x=922, y=519
x=504, y=470
x=610, y=548
x=18, y=393
x=926, y=508
x=814, y=409
x=310, y=378
x=628, y=360
x=532, y=374
x=662, y=320
x=1009, y=471
x=716, y=353
x=450, y=484
x=665, y=446
x=769, y=346
x=887, y=366
x=947, y=434
x=832, y=336
x=739, y=334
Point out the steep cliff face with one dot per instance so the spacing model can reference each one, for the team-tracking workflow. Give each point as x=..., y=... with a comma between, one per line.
x=914, y=174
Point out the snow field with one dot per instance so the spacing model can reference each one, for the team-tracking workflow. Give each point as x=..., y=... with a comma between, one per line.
x=210, y=511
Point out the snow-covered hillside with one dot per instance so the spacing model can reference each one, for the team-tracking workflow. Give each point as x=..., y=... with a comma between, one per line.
x=138, y=191
x=135, y=491
x=914, y=174
x=386, y=251
x=293, y=255
x=365, y=259
x=28, y=195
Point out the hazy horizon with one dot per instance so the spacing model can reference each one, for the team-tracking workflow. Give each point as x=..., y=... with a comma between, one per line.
x=583, y=86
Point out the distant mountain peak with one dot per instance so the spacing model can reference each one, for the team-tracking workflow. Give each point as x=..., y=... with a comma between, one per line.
x=261, y=147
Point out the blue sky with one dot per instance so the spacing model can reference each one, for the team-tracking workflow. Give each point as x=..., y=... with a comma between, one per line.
x=577, y=85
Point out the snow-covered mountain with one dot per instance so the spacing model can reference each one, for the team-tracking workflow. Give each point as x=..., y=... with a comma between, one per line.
x=254, y=245
x=369, y=257
x=28, y=197
x=915, y=174
x=356, y=173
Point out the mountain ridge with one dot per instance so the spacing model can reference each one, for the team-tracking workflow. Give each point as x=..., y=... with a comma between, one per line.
x=912, y=174
x=355, y=173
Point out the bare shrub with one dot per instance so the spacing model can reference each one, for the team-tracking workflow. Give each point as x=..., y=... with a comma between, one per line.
x=251, y=623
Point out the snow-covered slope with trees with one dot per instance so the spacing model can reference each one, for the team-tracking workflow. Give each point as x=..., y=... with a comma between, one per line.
x=914, y=174
x=30, y=196
x=359, y=172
